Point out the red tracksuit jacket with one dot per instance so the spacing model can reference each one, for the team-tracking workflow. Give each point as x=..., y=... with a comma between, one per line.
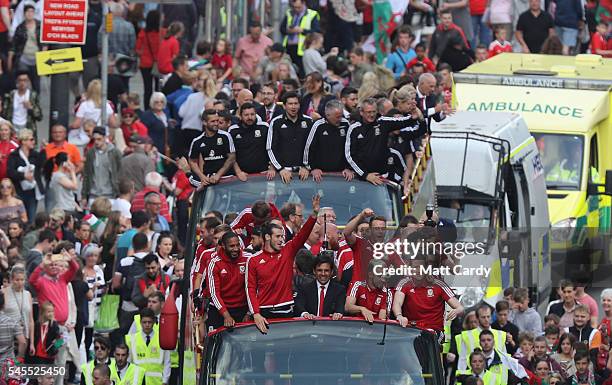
x=200, y=264
x=225, y=281
x=269, y=277
x=245, y=220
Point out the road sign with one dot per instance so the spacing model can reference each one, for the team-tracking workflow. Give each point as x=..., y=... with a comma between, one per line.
x=64, y=22
x=59, y=61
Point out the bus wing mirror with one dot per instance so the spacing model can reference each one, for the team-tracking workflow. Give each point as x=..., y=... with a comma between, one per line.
x=608, y=184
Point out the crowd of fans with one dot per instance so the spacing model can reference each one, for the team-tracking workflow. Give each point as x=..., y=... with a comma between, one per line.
x=102, y=208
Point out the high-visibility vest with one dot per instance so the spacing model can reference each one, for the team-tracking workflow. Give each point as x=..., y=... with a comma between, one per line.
x=447, y=337
x=470, y=339
x=305, y=24
x=133, y=376
x=174, y=359
x=560, y=174
x=139, y=326
x=150, y=358
x=88, y=368
x=500, y=371
x=488, y=378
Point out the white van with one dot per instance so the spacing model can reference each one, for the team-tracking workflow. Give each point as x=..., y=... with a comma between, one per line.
x=490, y=183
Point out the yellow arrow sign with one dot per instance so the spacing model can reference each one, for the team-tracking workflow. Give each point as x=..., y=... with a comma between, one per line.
x=59, y=61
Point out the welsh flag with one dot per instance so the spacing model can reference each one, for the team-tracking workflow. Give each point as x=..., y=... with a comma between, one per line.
x=386, y=15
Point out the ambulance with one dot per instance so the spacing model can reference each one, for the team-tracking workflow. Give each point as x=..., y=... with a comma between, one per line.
x=566, y=104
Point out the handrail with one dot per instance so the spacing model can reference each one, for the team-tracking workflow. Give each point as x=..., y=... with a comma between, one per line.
x=417, y=175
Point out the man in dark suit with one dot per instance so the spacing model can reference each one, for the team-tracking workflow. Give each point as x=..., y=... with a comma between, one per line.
x=323, y=289
x=268, y=109
x=426, y=100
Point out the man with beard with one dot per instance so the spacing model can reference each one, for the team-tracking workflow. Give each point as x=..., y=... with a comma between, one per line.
x=287, y=137
x=225, y=280
x=269, y=110
x=269, y=274
x=211, y=154
x=250, y=137
x=348, y=97
x=369, y=298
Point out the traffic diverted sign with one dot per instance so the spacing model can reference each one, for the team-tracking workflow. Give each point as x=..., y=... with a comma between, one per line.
x=59, y=61
x=64, y=22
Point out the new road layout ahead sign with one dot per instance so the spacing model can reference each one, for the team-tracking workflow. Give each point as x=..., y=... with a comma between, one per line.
x=64, y=22
x=59, y=61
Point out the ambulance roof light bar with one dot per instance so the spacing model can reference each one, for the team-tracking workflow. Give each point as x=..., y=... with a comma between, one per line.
x=524, y=78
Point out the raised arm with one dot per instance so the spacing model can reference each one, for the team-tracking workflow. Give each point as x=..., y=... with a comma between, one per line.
x=351, y=227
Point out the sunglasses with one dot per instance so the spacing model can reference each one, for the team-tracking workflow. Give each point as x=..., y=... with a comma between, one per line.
x=5, y=187
x=98, y=347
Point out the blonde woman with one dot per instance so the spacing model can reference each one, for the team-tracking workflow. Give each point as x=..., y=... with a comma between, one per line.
x=11, y=207
x=91, y=107
x=190, y=111
x=404, y=100
x=369, y=87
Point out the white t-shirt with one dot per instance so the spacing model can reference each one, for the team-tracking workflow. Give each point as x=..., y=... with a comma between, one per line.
x=88, y=110
x=123, y=206
x=20, y=113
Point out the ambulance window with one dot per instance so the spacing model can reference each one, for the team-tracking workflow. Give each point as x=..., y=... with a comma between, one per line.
x=593, y=158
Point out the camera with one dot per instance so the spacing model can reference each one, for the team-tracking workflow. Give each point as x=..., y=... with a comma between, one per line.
x=429, y=210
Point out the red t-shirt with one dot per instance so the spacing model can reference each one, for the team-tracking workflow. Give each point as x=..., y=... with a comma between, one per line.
x=496, y=47
x=372, y=299
x=182, y=182
x=598, y=42
x=6, y=147
x=222, y=62
x=137, y=128
x=3, y=4
x=363, y=253
x=424, y=303
x=477, y=7
x=168, y=49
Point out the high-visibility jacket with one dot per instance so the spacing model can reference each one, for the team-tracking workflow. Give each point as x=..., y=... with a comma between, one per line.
x=150, y=358
x=174, y=359
x=88, y=368
x=305, y=24
x=133, y=376
x=488, y=378
x=447, y=337
x=500, y=371
x=559, y=173
x=470, y=339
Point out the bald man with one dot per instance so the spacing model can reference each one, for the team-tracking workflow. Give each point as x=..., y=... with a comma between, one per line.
x=426, y=100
